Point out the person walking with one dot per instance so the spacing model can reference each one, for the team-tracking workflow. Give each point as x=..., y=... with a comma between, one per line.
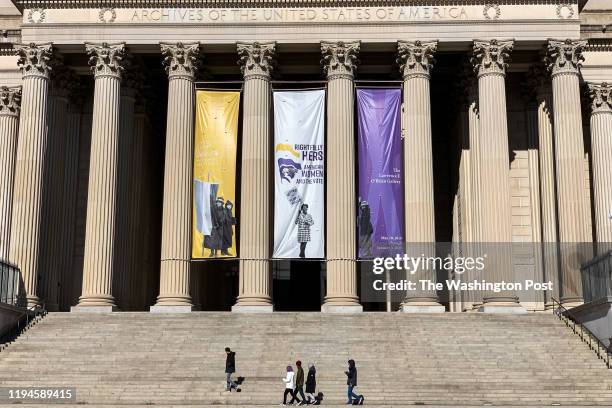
x=230, y=368
x=289, y=381
x=351, y=381
x=311, y=384
x=299, y=385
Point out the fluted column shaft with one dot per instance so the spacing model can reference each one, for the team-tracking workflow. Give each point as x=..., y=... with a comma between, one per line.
x=69, y=203
x=601, y=146
x=124, y=185
x=175, y=267
x=10, y=102
x=54, y=197
x=564, y=58
x=416, y=59
x=102, y=195
x=135, y=274
x=548, y=200
x=340, y=61
x=29, y=167
x=490, y=61
x=254, y=282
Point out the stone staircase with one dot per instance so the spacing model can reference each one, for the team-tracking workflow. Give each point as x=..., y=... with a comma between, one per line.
x=447, y=359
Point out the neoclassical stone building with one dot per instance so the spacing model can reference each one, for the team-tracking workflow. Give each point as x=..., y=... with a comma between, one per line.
x=507, y=124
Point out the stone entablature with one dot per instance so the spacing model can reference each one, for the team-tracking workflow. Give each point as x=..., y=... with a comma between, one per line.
x=368, y=12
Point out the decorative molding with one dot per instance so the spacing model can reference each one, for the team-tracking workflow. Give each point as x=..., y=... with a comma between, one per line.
x=36, y=15
x=107, y=15
x=565, y=6
x=34, y=59
x=486, y=11
x=491, y=57
x=564, y=56
x=106, y=60
x=601, y=98
x=256, y=59
x=416, y=58
x=340, y=59
x=10, y=101
x=181, y=60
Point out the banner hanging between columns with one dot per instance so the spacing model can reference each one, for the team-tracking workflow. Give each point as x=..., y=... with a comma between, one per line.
x=299, y=180
x=380, y=221
x=214, y=174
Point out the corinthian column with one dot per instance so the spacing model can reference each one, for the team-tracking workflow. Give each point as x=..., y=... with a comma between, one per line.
x=29, y=166
x=106, y=62
x=10, y=103
x=563, y=60
x=339, y=63
x=415, y=60
x=124, y=187
x=54, y=183
x=539, y=83
x=254, y=287
x=180, y=61
x=490, y=59
x=601, y=145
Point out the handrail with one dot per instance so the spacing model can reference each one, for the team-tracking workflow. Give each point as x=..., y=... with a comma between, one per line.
x=29, y=317
x=565, y=315
x=10, y=285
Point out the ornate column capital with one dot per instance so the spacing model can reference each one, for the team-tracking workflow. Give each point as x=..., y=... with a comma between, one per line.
x=63, y=79
x=491, y=57
x=181, y=60
x=601, y=99
x=340, y=58
x=536, y=84
x=416, y=58
x=564, y=57
x=106, y=60
x=10, y=101
x=256, y=59
x=34, y=59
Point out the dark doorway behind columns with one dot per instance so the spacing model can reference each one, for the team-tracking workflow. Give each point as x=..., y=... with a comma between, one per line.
x=298, y=285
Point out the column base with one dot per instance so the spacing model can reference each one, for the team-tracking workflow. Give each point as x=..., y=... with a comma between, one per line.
x=52, y=307
x=502, y=308
x=172, y=309
x=238, y=308
x=571, y=303
x=93, y=309
x=422, y=308
x=347, y=309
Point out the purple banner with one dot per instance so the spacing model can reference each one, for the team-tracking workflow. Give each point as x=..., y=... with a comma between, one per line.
x=380, y=213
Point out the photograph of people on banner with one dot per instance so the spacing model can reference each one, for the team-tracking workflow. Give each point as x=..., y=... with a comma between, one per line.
x=214, y=174
x=299, y=179
x=380, y=221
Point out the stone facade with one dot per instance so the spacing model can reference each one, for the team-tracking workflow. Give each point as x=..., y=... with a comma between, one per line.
x=506, y=124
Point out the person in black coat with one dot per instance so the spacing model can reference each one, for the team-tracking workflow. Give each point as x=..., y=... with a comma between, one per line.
x=311, y=384
x=230, y=368
x=351, y=381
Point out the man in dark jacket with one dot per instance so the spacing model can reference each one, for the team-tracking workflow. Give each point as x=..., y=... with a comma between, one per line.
x=230, y=368
x=351, y=381
x=299, y=385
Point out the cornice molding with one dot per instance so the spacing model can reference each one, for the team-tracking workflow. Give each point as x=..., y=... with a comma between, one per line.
x=102, y=4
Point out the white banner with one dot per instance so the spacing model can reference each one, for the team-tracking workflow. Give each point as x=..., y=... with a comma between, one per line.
x=299, y=179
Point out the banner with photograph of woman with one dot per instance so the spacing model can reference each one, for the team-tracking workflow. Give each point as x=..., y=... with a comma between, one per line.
x=299, y=180
x=214, y=174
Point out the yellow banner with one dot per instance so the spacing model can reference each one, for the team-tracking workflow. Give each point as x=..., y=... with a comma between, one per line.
x=214, y=174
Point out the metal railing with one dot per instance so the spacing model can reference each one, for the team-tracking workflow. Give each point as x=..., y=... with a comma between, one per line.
x=10, y=283
x=599, y=348
x=596, y=278
x=12, y=294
